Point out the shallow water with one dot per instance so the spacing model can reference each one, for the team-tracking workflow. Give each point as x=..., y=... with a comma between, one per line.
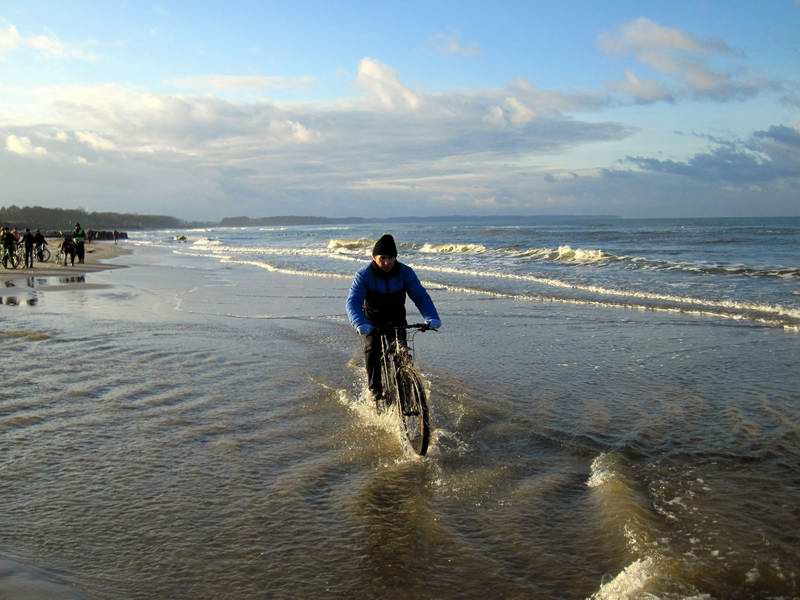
x=187, y=428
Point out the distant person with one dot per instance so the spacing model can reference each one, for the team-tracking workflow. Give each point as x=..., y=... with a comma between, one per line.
x=39, y=243
x=15, y=233
x=377, y=300
x=116, y=236
x=29, y=240
x=9, y=245
x=80, y=242
x=70, y=249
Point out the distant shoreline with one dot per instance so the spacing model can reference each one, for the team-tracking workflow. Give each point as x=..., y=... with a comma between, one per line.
x=60, y=219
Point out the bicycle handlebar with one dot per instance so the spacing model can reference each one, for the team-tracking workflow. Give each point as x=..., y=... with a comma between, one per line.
x=419, y=326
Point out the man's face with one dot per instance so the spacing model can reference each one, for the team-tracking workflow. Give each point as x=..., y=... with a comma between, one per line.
x=384, y=262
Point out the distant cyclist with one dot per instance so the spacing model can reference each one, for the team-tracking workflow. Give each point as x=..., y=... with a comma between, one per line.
x=377, y=300
x=40, y=242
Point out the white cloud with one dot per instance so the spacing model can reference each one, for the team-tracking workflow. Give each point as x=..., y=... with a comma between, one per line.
x=449, y=44
x=643, y=90
x=511, y=111
x=392, y=140
x=23, y=146
x=384, y=83
x=47, y=45
x=392, y=125
x=94, y=141
x=10, y=39
x=241, y=82
x=643, y=36
x=678, y=55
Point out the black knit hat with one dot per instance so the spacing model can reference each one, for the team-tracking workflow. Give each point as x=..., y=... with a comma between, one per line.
x=385, y=246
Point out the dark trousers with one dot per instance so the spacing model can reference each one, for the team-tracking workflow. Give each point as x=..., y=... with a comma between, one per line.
x=29, y=256
x=372, y=359
x=81, y=251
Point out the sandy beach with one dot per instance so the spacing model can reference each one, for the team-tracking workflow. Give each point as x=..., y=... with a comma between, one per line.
x=96, y=254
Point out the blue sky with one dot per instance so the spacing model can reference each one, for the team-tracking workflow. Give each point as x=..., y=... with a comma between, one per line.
x=210, y=109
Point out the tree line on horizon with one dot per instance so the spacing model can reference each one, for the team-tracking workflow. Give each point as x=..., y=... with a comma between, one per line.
x=65, y=218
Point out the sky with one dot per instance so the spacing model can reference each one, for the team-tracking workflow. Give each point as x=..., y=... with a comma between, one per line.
x=203, y=110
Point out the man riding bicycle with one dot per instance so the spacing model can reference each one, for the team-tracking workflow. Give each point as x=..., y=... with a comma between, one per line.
x=377, y=301
x=39, y=242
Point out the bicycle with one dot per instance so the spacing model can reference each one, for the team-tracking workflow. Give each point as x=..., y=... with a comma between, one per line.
x=43, y=254
x=61, y=258
x=21, y=264
x=10, y=256
x=402, y=385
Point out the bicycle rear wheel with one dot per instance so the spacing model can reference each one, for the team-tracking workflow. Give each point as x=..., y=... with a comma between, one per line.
x=413, y=409
x=43, y=255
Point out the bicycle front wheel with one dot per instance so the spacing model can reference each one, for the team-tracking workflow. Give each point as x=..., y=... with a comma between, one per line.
x=413, y=409
x=44, y=255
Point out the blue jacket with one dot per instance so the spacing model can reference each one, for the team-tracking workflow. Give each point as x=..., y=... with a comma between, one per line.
x=377, y=298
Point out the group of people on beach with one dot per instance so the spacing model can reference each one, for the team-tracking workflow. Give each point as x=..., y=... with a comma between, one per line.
x=11, y=239
x=73, y=245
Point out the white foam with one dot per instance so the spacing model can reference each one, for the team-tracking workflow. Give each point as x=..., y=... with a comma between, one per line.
x=273, y=269
x=388, y=421
x=601, y=471
x=567, y=254
x=361, y=245
x=630, y=583
x=453, y=248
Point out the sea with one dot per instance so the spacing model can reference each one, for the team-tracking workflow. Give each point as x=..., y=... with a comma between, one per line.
x=615, y=409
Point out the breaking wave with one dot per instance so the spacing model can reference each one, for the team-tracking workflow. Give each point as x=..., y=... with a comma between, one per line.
x=453, y=248
x=566, y=254
x=361, y=245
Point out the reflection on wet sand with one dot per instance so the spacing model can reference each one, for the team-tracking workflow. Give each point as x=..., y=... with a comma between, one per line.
x=15, y=301
x=30, y=285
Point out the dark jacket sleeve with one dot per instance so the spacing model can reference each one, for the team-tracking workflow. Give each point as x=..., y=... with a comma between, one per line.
x=419, y=295
x=355, y=300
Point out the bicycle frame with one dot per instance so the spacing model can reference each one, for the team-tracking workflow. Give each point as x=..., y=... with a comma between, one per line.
x=398, y=351
x=10, y=255
x=397, y=370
